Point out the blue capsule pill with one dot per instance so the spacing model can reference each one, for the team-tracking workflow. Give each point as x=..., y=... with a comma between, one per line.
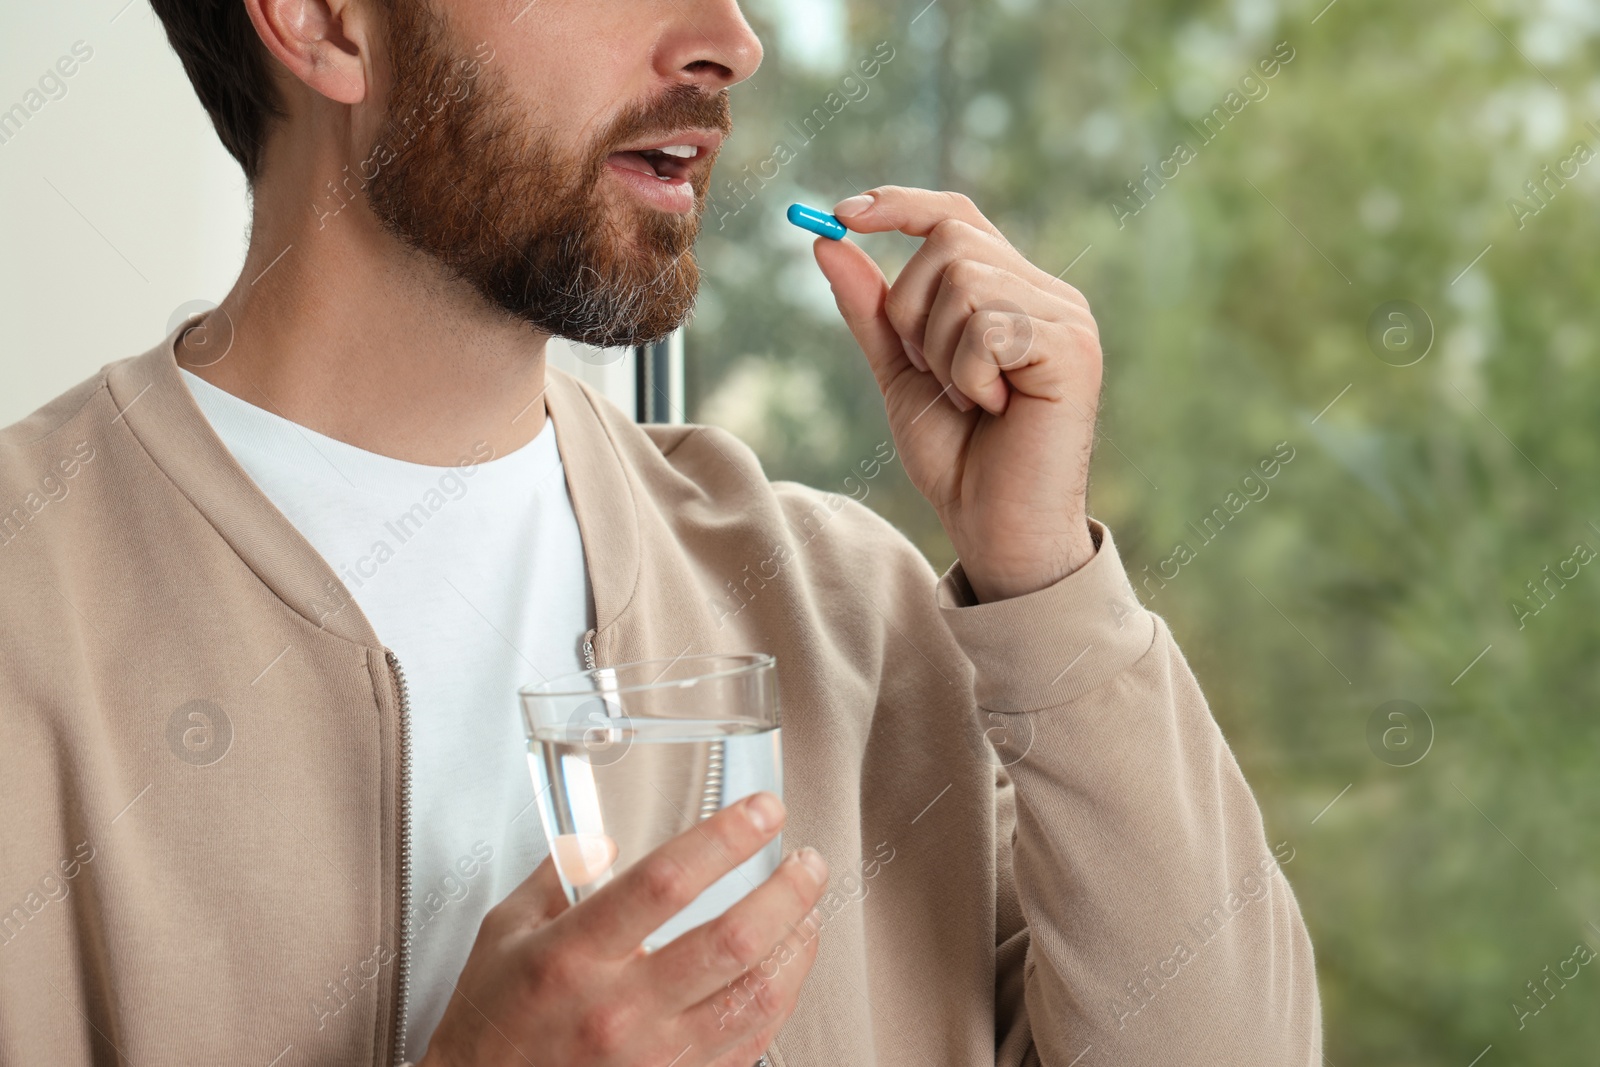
x=818, y=222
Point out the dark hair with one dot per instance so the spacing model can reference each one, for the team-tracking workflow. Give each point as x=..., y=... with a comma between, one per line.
x=230, y=69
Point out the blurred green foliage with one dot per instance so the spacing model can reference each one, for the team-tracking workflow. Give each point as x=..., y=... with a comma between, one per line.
x=1376, y=165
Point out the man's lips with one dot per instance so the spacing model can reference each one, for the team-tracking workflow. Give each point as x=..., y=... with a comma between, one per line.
x=672, y=157
x=695, y=137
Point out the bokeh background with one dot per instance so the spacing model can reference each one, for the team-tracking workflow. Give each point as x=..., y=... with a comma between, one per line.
x=1347, y=266
x=1441, y=460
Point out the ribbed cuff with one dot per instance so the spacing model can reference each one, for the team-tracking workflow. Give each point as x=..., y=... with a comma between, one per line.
x=1054, y=645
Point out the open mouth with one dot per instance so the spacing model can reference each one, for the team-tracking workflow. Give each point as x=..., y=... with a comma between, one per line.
x=670, y=163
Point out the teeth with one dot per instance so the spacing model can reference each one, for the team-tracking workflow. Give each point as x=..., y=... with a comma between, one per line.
x=682, y=151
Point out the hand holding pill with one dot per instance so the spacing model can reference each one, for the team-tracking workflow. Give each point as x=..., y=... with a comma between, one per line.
x=990, y=371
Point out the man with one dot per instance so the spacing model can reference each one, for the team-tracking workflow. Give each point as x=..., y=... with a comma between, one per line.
x=271, y=586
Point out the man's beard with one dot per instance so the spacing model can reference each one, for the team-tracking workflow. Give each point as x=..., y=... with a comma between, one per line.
x=494, y=199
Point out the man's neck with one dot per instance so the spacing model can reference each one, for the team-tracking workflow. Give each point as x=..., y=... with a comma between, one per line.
x=340, y=328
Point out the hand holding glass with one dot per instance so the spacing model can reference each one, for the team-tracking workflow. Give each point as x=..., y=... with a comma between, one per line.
x=624, y=758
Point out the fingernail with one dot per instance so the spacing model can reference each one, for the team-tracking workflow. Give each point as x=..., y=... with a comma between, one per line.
x=914, y=354
x=764, y=811
x=814, y=863
x=852, y=205
x=960, y=399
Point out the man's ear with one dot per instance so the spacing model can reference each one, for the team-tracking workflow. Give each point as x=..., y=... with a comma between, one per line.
x=324, y=43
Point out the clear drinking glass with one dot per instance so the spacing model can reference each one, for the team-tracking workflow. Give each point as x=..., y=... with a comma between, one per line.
x=633, y=755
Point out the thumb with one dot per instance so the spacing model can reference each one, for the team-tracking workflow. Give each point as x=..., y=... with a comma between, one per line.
x=583, y=858
x=860, y=289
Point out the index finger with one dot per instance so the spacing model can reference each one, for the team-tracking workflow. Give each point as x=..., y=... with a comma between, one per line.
x=914, y=212
x=622, y=913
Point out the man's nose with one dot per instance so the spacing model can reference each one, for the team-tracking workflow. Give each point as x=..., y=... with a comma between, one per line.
x=707, y=43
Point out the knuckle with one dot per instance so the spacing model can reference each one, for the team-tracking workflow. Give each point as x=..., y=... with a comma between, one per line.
x=664, y=881
x=767, y=1000
x=1085, y=337
x=949, y=232
x=553, y=970
x=960, y=201
x=603, y=1028
x=965, y=274
x=736, y=941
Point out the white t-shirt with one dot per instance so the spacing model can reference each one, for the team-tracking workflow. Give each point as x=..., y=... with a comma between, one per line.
x=474, y=576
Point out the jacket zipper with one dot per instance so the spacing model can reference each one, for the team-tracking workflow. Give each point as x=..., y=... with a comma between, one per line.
x=403, y=821
x=589, y=663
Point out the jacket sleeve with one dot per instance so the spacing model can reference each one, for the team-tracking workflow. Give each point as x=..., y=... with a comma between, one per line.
x=1142, y=917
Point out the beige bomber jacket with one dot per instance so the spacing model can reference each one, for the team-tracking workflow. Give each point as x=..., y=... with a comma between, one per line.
x=1043, y=851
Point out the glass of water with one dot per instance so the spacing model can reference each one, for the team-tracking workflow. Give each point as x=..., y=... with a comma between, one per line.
x=624, y=758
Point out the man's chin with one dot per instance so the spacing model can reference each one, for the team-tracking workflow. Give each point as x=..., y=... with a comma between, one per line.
x=621, y=314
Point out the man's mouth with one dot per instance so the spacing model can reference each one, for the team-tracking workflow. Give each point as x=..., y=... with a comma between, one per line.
x=663, y=170
x=667, y=163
